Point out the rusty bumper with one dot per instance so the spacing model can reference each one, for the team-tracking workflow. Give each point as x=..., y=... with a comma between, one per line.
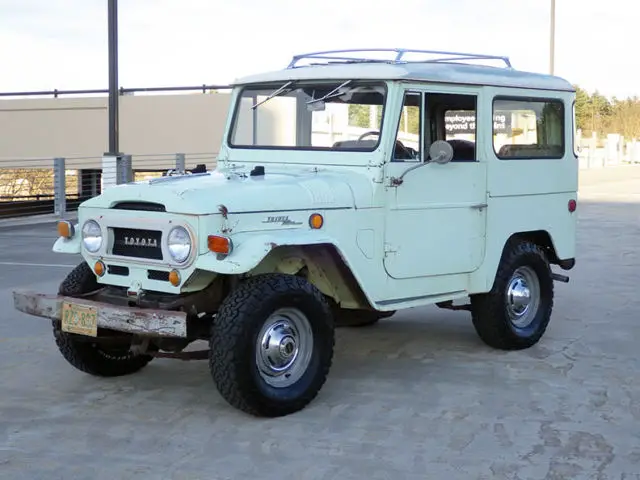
x=142, y=321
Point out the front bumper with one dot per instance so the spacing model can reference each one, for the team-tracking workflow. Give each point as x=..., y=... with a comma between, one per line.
x=84, y=317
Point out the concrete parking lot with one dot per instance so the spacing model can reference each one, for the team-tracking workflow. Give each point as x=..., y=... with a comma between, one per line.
x=417, y=396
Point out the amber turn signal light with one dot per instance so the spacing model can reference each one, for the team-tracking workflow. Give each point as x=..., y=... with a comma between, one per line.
x=316, y=221
x=174, y=278
x=65, y=229
x=99, y=268
x=219, y=244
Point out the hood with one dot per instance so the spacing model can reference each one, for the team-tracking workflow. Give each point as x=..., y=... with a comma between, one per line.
x=202, y=194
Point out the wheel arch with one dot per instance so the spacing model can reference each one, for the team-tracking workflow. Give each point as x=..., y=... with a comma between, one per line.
x=322, y=264
x=315, y=255
x=483, y=280
x=544, y=240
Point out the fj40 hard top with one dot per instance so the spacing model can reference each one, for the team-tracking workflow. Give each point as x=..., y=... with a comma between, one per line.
x=349, y=185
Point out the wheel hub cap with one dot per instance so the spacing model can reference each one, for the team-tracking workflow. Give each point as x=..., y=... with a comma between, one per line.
x=278, y=346
x=523, y=296
x=284, y=347
x=519, y=295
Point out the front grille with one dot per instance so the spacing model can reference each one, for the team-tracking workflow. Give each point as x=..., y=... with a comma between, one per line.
x=130, y=242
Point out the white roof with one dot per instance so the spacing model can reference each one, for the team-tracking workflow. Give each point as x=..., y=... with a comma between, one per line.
x=424, y=71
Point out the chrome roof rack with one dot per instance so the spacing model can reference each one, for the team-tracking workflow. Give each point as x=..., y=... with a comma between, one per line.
x=347, y=56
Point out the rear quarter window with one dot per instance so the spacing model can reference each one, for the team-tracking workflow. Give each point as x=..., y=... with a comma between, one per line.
x=526, y=128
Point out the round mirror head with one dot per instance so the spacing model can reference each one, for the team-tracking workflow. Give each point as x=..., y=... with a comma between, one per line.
x=441, y=152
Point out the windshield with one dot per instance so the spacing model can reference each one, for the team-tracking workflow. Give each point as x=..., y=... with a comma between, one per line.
x=338, y=115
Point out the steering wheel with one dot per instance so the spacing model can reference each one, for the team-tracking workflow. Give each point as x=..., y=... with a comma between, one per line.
x=370, y=132
x=407, y=150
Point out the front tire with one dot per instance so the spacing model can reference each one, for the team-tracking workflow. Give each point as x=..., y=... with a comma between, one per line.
x=86, y=356
x=516, y=312
x=271, y=345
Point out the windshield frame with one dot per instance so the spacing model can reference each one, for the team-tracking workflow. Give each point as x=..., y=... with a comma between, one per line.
x=275, y=85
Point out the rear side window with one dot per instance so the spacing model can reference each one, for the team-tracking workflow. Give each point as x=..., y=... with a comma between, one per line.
x=526, y=128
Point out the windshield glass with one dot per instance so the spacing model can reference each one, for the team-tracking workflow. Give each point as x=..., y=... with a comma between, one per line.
x=338, y=115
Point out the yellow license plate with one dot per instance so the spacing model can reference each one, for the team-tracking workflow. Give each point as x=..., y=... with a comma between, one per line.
x=79, y=319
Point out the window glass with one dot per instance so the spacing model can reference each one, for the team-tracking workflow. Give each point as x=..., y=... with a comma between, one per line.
x=342, y=115
x=408, y=134
x=526, y=128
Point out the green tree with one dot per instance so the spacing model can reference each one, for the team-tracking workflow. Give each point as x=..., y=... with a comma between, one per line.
x=582, y=108
x=594, y=112
x=625, y=117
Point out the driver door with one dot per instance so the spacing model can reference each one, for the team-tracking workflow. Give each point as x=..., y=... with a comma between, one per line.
x=436, y=215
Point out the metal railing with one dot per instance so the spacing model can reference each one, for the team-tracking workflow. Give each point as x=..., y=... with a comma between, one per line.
x=204, y=88
x=59, y=185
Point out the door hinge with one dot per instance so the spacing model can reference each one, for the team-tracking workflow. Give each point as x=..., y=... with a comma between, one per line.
x=389, y=249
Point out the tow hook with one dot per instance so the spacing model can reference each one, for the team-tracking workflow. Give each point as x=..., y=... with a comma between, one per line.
x=560, y=278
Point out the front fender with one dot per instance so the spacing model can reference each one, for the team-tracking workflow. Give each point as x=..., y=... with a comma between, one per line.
x=251, y=248
x=68, y=245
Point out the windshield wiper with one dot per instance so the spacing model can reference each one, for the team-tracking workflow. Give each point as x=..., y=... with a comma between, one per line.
x=331, y=94
x=273, y=94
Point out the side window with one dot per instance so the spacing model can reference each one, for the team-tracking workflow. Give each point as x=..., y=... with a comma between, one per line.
x=528, y=128
x=408, y=139
x=452, y=117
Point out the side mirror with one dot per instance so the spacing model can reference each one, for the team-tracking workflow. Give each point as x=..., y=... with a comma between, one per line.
x=440, y=152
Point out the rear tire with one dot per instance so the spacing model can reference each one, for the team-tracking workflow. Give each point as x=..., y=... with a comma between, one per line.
x=516, y=312
x=86, y=356
x=271, y=345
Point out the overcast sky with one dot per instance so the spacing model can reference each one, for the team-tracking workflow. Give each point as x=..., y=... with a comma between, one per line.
x=47, y=44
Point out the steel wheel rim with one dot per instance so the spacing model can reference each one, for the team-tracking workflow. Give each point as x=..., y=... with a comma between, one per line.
x=284, y=347
x=523, y=297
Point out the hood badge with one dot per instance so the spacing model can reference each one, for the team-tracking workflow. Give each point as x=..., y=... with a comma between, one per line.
x=282, y=220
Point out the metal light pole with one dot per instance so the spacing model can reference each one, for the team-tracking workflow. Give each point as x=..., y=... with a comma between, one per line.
x=113, y=77
x=552, y=38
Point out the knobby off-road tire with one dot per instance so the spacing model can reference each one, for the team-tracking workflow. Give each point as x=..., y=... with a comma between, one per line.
x=86, y=356
x=505, y=318
x=359, y=318
x=272, y=321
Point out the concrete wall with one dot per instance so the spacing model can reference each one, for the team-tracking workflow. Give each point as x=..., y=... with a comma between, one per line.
x=77, y=127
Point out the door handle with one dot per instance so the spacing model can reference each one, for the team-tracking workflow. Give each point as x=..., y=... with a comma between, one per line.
x=478, y=206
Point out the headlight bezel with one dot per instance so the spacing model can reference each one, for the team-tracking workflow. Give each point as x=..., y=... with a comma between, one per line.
x=84, y=235
x=180, y=260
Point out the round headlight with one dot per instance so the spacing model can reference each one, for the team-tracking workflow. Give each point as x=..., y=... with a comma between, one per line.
x=92, y=236
x=179, y=244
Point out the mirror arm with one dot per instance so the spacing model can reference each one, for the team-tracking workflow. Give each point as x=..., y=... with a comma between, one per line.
x=398, y=181
x=436, y=154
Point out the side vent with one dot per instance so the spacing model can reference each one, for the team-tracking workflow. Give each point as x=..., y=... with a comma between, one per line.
x=140, y=206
